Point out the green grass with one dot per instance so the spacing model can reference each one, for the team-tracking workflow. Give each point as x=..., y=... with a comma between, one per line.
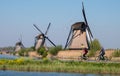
x=60, y=66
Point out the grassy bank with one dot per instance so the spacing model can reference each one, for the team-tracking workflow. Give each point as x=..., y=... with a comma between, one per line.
x=59, y=66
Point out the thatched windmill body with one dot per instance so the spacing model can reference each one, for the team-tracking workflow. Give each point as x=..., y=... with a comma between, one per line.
x=79, y=35
x=19, y=45
x=41, y=38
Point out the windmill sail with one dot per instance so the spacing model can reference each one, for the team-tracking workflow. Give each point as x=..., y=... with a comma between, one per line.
x=89, y=31
x=41, y=38
x=78, y=38
x=47, y=29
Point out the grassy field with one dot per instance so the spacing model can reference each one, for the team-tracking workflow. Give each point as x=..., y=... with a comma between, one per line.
x=59, y=66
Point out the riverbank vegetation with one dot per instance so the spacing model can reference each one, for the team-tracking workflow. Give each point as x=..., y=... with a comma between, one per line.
x=55, y=50
x=116, y=53
x=52, y=50
x=46, y=65
x=94, y=50
x=94, y=47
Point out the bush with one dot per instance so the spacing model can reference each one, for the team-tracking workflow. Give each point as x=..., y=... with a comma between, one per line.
x=55, y=50
x=42, y=51
x=18, y=61
x=23, y=52
x=14, y=53
x=94, y=46
x=44, y=54
x=32, y=48
x=116, y=53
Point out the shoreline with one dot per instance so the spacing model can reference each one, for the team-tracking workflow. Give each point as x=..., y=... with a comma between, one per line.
x=63, y=72
x=66, y=67
x=28, y=69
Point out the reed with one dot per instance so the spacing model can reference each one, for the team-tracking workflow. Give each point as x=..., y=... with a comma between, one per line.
x=60, y=66
x=116, y=53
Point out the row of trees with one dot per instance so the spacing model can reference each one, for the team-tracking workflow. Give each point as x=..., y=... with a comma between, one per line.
x=9, y=48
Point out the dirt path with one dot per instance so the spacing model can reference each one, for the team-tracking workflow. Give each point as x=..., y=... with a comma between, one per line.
x=74, y=54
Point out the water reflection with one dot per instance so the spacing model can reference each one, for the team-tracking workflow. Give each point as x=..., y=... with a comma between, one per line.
x=16, y=73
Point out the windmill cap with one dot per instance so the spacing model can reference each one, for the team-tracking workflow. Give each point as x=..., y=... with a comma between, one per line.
x=78, y=26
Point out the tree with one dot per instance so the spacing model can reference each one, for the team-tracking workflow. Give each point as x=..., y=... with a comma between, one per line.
x=94, y=46
x=42, y=51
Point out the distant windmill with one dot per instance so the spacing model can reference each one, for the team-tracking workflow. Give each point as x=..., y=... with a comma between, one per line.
x=78, y=36
x=19, y=45
x=41, y=38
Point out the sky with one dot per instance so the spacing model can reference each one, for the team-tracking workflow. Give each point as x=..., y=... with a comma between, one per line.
x=18, y=16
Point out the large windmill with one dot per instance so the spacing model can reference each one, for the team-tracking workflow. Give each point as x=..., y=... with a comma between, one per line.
x=41, y=38
x=19, y=45
x=79, y=35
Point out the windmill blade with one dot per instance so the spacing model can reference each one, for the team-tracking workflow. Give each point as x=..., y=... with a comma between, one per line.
x=86, y=20
x=35, y=42
x=50, y=41
x=47, y=29
x=37, y=28
x=73, y=37
x=89, y=36
x=21, y=41
x=20, y=38
x=90, y=32
x=68, y=39
x=22, y=45
x=83, y=11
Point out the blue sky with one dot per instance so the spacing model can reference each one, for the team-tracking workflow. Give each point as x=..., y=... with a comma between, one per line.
x=18, y=16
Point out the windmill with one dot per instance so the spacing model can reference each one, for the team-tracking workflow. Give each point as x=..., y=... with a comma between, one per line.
x=41, y=38
x=19, y=45
x=79, y=35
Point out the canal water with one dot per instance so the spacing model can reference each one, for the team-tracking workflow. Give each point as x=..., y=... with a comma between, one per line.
x=7, y=57
x=16, y=73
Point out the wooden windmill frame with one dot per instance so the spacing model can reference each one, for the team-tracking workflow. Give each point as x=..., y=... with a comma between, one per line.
x=78, y=38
